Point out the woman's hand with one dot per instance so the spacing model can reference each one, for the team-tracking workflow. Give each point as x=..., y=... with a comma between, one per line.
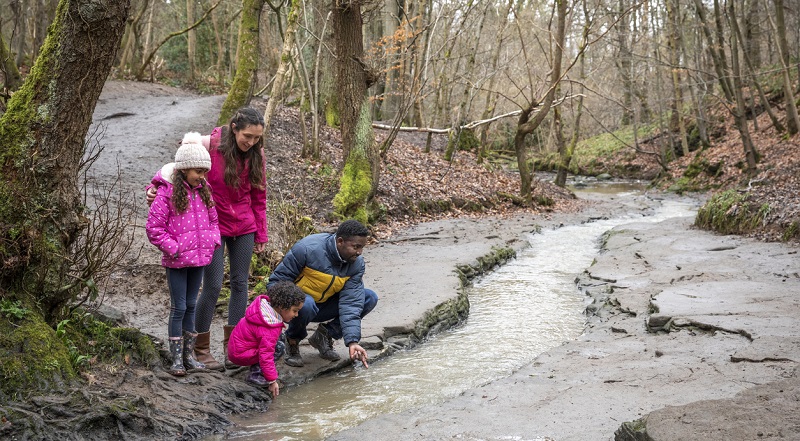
x=260, y=247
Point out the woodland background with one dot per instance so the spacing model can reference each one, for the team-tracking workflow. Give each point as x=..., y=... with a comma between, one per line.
x=695, y=95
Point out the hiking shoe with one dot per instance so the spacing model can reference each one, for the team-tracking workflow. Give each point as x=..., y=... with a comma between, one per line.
x=323, y=343
x=293, y=355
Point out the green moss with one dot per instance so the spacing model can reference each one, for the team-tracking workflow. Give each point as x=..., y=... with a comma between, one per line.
x=355, y=184
x=730, y=212
x=465, y=139
x=332, y=113
x=31, y=357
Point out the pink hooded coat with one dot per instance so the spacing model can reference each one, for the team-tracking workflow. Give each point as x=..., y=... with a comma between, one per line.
x=193, y=234
x=241, y=210
x=254, y=338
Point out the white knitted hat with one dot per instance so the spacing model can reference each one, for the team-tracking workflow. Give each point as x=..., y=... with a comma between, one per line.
x=192, y=153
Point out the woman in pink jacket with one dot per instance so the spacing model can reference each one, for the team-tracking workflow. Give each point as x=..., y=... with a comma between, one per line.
x=183, y=224
x=256, y=339
x=238, y=182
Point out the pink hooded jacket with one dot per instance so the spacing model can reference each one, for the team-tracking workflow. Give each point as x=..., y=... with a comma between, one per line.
x=254, y=338
x=192, y=235
x=241, y=210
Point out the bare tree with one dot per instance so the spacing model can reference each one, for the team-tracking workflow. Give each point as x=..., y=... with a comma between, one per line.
x=276, y=96
x=792, y=119
x=536, y=108
x=729, y=82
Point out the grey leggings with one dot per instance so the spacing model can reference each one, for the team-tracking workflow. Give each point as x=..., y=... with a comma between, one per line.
x=240, y=251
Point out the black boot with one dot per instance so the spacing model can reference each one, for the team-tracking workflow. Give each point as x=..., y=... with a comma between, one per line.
x=176, y=355
x=322, y=342
x=189, y=361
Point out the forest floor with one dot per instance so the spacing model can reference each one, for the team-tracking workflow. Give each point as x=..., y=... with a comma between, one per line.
x=140, y=124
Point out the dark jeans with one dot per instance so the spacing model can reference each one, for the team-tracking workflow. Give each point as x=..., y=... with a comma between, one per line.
x=322, y=312
x=183, y=283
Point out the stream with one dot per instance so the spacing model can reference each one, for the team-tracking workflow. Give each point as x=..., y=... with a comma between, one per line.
x=517, y=312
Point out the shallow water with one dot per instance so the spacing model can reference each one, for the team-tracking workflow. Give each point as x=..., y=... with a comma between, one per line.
x=517, y=312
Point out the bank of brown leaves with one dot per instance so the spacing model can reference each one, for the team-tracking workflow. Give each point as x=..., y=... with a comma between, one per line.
x=415, y=186
x=776, y=183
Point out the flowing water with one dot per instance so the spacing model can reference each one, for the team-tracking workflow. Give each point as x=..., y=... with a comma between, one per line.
x=517, y=312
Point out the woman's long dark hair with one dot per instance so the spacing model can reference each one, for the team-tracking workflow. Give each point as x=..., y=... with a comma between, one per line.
x=180, y=197
x=243, y=118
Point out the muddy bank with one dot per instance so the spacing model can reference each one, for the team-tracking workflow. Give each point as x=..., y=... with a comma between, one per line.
x=690, y=335
x=417, y=272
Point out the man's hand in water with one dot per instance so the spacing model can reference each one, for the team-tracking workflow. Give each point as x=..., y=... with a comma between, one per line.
x=357, y=353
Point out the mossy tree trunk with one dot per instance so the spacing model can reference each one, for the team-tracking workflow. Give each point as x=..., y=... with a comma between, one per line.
x=360, y=174
x=43, y=133
x=246, y=61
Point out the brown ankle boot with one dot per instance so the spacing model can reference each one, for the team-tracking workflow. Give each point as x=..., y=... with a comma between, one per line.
x=227, y=329
x=202, y=352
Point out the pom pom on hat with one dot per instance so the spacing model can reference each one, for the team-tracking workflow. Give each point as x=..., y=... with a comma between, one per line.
x=192, y=153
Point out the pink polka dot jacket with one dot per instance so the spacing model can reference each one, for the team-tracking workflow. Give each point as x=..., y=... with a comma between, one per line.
x=187, y=239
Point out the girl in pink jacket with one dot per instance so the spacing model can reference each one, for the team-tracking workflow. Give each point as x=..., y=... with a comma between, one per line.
x=183, y=224
x=256, y=339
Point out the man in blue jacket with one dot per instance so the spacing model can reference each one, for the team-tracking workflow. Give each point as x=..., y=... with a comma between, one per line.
x=329, y=269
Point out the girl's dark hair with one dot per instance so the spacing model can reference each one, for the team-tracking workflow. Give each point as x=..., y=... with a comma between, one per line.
x=285, y=294
x=243, y=118
x=180, y=197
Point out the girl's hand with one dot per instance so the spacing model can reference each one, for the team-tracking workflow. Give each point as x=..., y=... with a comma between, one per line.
x=260, y=247
x=274, y=389
x=150, y=195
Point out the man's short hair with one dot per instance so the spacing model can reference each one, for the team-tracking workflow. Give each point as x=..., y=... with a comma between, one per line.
x=350, y=228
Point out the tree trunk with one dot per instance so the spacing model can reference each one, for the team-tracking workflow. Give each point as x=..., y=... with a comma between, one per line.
x=247, y=52
x=8, y=69
x=752, y=76
x=40, y=205
x=565, y=153
x=740, y=111
x=674, y=45
x=276, y=96
x=466, y=95
x=220, y=56
x=491, y=96
x=359, y=179
x=21, y=24
x=525, y=125
x=191, y=41
x=421, y=60
x=624, y=62
x=792, y=120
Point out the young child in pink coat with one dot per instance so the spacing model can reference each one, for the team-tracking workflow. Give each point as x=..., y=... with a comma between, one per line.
x=183, y=224
x=256, y=339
